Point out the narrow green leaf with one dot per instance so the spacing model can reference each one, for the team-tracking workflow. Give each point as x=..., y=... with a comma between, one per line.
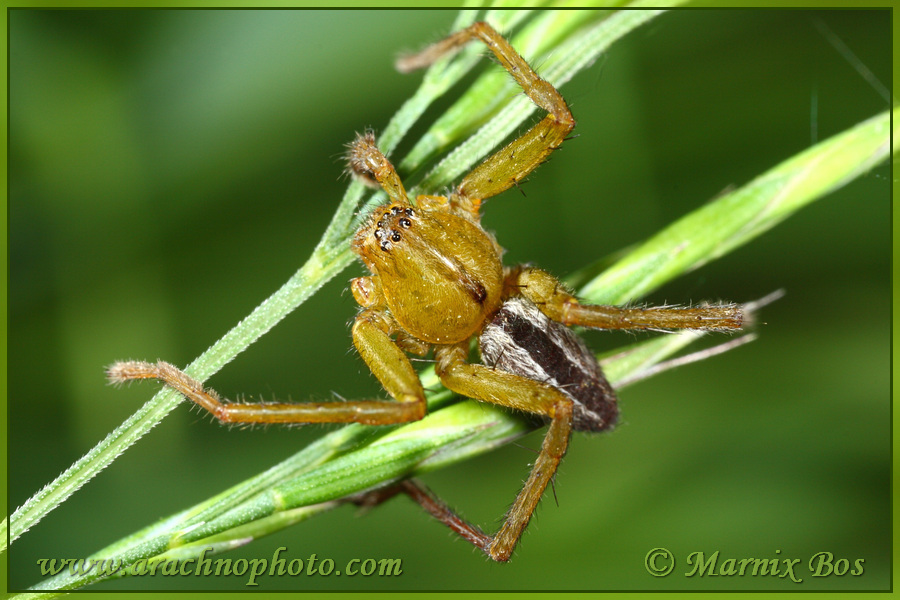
x=739, y=216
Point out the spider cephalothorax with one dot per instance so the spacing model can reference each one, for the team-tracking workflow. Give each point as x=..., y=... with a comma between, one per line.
x=437, y=282
x=438, y=272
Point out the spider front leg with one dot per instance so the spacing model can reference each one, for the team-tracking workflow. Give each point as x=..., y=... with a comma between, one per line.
x=513, y=163
x=370, y=335
x=554, y=301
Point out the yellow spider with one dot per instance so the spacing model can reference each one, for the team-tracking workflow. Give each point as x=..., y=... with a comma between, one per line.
x=436, y=282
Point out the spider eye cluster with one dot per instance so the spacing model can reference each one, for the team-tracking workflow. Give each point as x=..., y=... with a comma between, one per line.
x=385, y=232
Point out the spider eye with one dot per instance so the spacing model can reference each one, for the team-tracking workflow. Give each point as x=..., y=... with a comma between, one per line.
x=385, y=245
x=379, y=234
x=405, y=223
x=395, y=236
x=409, y=212
x=395, y=210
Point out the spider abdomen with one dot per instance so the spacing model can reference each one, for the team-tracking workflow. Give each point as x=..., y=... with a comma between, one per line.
x=522, y=340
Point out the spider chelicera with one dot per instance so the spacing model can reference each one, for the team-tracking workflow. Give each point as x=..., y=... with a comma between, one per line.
x=436, y=282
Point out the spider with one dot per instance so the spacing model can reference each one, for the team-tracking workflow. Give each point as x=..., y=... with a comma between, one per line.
x=436, y=283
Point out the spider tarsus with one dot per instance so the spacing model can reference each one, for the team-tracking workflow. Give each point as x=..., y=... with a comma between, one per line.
x=407, y=63
x=129, y=370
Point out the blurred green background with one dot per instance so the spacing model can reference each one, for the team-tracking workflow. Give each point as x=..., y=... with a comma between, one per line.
x=168, y=170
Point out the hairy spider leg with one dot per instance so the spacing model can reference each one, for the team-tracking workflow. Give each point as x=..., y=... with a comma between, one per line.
x=370, y=335
x=440, y=511
x=511, y=164
x=498, y=387
x=554, y=301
